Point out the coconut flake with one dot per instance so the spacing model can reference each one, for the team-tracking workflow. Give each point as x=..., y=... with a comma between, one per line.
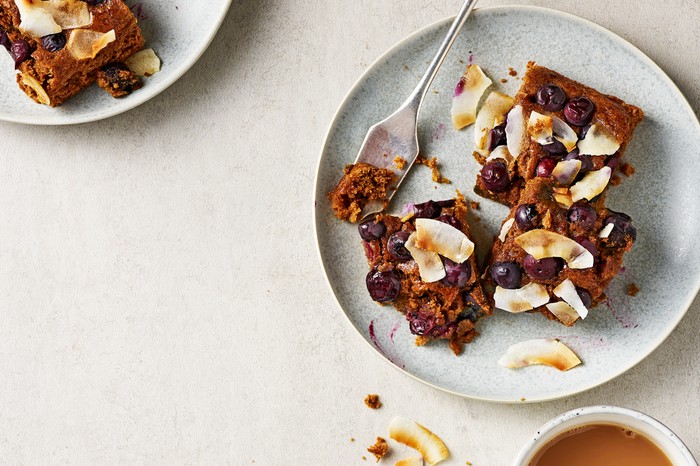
x=591, y=185
x=605, y=232
x=566, y=314
x=522, y=299
x=446, y=240
x=429, y=263
x=562, y=196
x=565, y=171
x=598, y=141
x=144, y=63
x=501, y=152
x=467, y=95
x=410, y=433
x=539, y=127
x=543, y=243
x=505, y=229
x=84, y=43
x=36, y=86
x=515, y=131
x=566, y=290
x=69, y=14
x=491, y=114
x=412, y=461
x=36, y=21
x=550, y=352
x=563, y=133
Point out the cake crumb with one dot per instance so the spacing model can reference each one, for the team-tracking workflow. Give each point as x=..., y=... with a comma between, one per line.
x=435, y=91
x=615, y=180
x=522, y=399
x=364, y=458
x=379, y=449
x=627, y=169
x=474, y=205
x=405, y=67
x=632, y=289
x=512, y=72
x=432, y=163
x=352, y=439
x=469, y=463
x=372, y=401
x=504, y=80
x=399, y=162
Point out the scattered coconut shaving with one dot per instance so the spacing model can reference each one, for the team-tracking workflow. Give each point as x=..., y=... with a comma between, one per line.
x=550, y=352
x=410, y=433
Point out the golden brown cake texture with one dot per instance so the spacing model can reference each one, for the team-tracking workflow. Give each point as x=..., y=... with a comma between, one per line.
x=616, y=116
x=59, y=73
x=361, y=183
x=437, y=310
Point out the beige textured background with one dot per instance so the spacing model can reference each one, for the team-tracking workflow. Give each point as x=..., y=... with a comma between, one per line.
x=162, y=302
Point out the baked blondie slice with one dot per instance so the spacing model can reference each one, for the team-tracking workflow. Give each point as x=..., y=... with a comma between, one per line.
x=361, y=184
x=423, y=264
x=557, y=258
x=553, y=118
x=59, y=46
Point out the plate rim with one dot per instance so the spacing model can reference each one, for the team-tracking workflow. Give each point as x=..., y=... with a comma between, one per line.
x=436, y=24
x=140, y=97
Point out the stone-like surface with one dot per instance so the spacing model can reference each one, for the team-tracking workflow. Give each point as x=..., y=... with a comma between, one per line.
x=162, y=305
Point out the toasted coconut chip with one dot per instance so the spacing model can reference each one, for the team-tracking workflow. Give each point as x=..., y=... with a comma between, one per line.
x=605, y=232
x=84, y=43
x=467, y=95
x=41, y=94
x=591, y=185
x=444, y=239
x=515, y=131
x=36, y=21
x=429, y=263
x=491, y=114
x=505, y=228
x=69, y=14
x=562, y=196
x=563, y=133
x=541, y=351
x=566, y=314
x=413, y=461
x=598, y=141
x=565, y=171
x=501, y=152
x=539, y=127
x=543, y=243
x=144, y=63
x=522, y=299
x=566, y=290
x=416, y=436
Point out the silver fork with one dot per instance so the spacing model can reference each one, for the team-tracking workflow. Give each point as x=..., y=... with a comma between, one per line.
x=398, y=134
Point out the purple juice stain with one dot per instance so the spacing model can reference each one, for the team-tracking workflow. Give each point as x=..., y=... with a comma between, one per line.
x=438, y=133
x=373, y=337
x=396, y=326
x=460, y=86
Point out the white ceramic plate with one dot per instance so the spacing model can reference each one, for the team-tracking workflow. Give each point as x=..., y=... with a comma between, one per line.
x=663, y=198
x=178, y=32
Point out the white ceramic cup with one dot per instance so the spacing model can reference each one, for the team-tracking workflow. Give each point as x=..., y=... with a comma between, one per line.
x=652, y=429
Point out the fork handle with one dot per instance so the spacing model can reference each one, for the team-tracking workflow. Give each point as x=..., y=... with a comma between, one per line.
x=416, y=98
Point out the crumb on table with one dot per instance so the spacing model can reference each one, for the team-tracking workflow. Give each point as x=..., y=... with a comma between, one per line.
x=474, y=205
x=511, y=71
x=432, y=163
x=632, y=289
x=627, y=169
x=372, y=401
x=615, y=180
x=504, y=80
x=399, y=162
x=379, y=449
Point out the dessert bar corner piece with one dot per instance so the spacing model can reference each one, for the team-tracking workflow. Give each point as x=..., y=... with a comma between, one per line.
x=60, y=46
x=361, y=183
x=552, y=119
x=555, y=258
x=424, y=265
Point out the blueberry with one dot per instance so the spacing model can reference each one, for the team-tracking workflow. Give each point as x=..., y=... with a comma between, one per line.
x=447, y=203
x=369, y=230
x=543, y=269
x=584, y=131
x=456, y=274
x=506, y=275
x=551, y=97
x=586, y=161
x=545, y=166
x=4, y=40
x=622, y=230
x=383, y=286
x=450, y=220
x=585, y=297
x=429, y=209
x=54, y=42
x=588, y=244
x=420, y=325
x=555, y=148
x=396, y=245
x=583, y=215
x=526, y=216
x=20, y=51
x=579, y=111
x=94, y=2
x=497, y=136
x=495, y=176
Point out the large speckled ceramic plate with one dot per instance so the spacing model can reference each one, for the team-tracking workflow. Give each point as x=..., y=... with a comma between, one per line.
x=663, y=198
x=179, y=32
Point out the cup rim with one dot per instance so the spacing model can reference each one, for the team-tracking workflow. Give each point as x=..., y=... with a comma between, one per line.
x=553, y=424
